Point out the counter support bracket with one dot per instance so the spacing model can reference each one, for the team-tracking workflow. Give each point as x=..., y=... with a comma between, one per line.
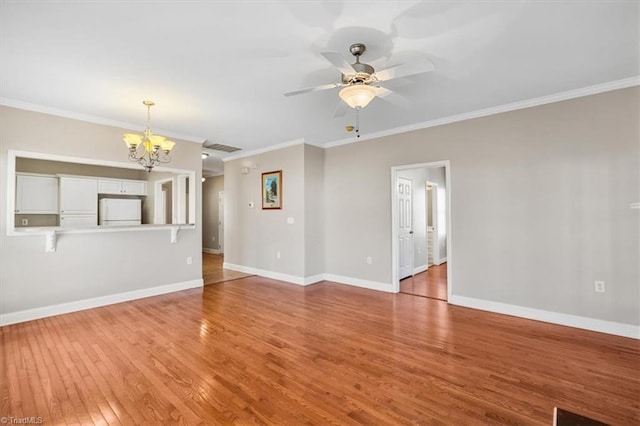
x=174, y=234
x=50, y=238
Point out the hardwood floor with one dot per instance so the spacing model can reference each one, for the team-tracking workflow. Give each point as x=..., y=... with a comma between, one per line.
x=256, y=350
x=213, y=272
x=430, y=283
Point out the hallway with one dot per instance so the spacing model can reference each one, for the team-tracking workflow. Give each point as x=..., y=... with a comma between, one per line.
x=213, y=272
x=431, y=283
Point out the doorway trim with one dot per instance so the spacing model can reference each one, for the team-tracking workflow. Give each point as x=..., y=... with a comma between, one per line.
x=435, y=243
x=395, y=281
x=160, y=200
x=220, y=222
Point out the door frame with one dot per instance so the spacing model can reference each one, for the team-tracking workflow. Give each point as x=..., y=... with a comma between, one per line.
x=160, y=200
x=395, y=281
x=221, y=222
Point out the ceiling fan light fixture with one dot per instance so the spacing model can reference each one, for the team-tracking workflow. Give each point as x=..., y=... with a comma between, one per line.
x=205, y=155
x=357, y=95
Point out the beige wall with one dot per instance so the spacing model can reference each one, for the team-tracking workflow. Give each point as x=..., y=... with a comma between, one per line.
x=253, y=236
x=93, y=264
x=211, y=188
x=31, y=165
x=314, y=210
x=540, y=205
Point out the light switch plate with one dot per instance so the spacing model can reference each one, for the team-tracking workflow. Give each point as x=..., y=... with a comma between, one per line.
x=290, y=221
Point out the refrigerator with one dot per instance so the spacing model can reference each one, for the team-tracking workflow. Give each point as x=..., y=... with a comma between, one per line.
x=120, y=212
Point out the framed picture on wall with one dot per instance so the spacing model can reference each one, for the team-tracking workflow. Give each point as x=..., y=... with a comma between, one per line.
x=272, y=190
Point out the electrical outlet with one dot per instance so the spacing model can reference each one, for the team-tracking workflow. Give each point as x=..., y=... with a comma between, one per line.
x=189, y=260
x=277, y=255
x=599, y=287
x=25, y=222
x=369, y=260
x=213, y=238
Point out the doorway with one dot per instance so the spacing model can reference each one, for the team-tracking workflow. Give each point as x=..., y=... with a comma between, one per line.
x=430, y=274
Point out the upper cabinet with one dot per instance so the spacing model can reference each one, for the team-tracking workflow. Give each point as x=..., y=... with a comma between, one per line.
x=122, y=187
x=36, y=194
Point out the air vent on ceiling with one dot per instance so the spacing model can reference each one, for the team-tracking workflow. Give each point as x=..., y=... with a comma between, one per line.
x=224, y=148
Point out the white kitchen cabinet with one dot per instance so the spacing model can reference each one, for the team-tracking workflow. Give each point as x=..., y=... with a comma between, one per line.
x=122, y=187
x=78, y=220
x=36, y=194
x=78, y=202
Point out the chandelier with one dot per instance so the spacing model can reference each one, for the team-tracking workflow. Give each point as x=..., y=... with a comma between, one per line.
x=148, y=149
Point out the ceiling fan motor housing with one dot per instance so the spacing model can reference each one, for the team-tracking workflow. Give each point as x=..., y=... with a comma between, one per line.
x=363, y=71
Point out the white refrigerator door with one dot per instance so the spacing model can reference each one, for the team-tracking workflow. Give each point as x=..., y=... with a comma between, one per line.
x=118, y=209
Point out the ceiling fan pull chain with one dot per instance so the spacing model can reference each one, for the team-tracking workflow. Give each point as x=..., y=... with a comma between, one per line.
x=358, y=121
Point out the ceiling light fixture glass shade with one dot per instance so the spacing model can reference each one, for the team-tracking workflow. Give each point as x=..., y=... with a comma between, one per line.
x=205, y=155
x=357, y=95
x=148, y=149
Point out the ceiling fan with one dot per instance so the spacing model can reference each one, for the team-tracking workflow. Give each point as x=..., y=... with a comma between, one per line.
x=360, y=82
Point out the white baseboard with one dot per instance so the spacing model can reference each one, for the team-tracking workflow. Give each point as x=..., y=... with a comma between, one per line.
x=592, y=324
x=357, y=282
x=293, y=279
x=314, y=279
x=211, y=251
x=81, y=305
x=420, y=269
x=441, y=261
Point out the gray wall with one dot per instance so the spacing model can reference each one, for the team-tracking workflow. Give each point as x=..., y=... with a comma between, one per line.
x=32, y=165
x=314, y=209
x=540, y=205
x=93, y=264
x=252, y=235
x=211, y=188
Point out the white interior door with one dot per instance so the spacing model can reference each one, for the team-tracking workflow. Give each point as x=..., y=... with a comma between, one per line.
x=405, y=224
x=221, y=221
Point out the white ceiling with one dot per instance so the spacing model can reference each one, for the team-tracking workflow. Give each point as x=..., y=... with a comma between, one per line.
x=217, y=70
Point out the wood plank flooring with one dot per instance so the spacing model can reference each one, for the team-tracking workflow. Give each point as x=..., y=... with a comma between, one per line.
x=212, y=271
x=430, y=283
x=258, y=351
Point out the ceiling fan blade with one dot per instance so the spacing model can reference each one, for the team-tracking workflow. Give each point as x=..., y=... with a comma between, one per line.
x=339, y=62
x=393, y=98
x=405, y=70
x=313, y=89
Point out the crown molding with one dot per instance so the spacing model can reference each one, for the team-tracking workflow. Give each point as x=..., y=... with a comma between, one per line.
x=557, y=97
x=265, y=149
x=13, y=103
